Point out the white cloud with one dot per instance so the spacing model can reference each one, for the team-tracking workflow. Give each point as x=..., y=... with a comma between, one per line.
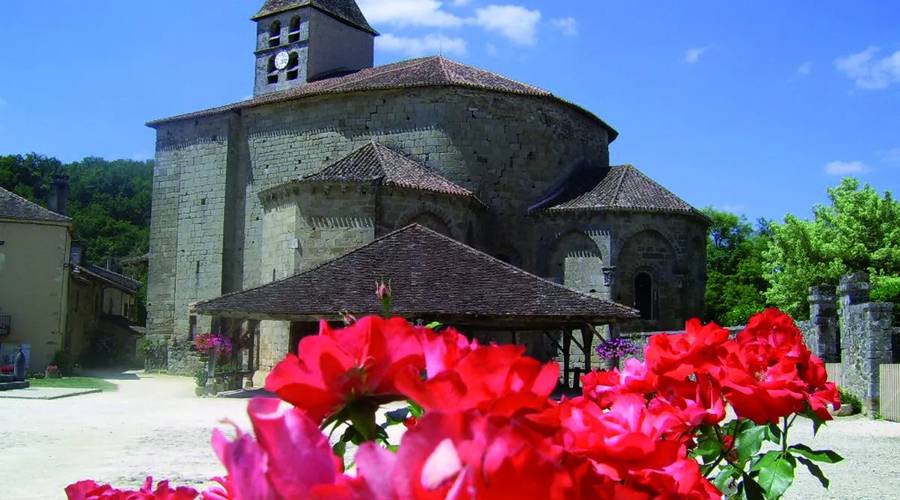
x=512, y=21
x=428, y=13
x=424, y=45
x=461, y=3
x=805, y=68
x=846, y=168
x=869, y=71
x=692, y=56
x=567, y=25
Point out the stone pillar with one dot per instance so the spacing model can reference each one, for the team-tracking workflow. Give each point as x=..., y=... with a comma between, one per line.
x=865, y=340
x=822, y=336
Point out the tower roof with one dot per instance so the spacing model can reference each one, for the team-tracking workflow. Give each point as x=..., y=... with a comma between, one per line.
x=432, y=276
x=13, y=206
x=616, y=188
x=378, y=163
x=343, y=10
x=434, y=71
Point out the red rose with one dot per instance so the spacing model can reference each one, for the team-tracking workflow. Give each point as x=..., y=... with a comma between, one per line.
x=497, y=379
x=357, y=364
x=699, y=349
x=90, y=490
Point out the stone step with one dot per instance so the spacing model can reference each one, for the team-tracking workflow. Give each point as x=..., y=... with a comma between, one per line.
x=8, y=386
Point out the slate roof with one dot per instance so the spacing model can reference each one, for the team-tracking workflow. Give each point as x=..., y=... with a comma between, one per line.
x=432, y=277
x=113, y=278
x=378, y=163
x=344, y=10
x=615, y=188
x=432, y=71
x=13, y=206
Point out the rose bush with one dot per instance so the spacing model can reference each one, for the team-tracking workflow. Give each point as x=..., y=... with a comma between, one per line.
x=481, y=423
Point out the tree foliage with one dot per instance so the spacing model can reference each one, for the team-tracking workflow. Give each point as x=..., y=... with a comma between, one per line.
x=735, y=287
x=858, y=231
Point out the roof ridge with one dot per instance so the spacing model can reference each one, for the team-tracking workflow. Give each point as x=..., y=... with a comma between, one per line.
x=38, y=206
x=618, y=186
x=412, y=63
x=463, y=246
x=314, y=268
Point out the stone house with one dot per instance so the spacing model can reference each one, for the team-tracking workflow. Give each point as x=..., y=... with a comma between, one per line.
x=34, y=284
x=331, y=153
x=49, y=301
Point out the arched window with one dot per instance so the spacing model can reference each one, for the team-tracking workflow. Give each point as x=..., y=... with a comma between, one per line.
x=293, y=67
x=643, y=295
x=272, y=70
x=275, y=34
x=294, y=32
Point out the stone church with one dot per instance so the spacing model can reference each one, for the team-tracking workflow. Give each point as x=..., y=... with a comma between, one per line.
x=332, y=153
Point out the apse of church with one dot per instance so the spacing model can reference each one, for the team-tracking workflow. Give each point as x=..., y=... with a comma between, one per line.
x=332, y=153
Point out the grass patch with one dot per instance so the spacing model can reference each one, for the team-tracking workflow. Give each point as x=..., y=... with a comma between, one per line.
x=74, y=383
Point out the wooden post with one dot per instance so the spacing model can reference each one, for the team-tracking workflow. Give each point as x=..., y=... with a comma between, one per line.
x=567, y=344
x=587, y=341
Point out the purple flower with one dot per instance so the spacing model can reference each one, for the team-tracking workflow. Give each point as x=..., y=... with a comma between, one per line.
x=616, y=348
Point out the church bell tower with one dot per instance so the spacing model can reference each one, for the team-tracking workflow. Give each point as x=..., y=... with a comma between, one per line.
x=301, y=41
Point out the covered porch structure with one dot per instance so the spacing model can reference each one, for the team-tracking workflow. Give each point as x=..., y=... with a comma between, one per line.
x=433, y=278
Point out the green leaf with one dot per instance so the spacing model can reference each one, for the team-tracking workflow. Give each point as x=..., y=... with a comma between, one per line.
x=416, y=410
x=750, y=489
x=339, y=449
x=725, y=478
x=824, y=456
x=765, y=460
x=815, y=470
x=776, y=477
x=749, y=442
x=774, y=433
x=434, y=325
x=707, y=447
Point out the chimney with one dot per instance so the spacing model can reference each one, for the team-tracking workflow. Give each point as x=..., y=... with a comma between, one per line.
x=59, y=195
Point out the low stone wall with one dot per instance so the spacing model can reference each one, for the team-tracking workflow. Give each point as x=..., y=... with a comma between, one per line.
x=183, y=360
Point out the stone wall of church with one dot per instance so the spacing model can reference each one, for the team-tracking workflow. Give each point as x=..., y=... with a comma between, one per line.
x=208, y=219
x=187, y=234
x=575, y=249
x=458, y=218
x=509, y=150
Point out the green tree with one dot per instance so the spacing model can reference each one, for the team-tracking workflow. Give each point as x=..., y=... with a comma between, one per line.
x=858, y=231
x=735, y=287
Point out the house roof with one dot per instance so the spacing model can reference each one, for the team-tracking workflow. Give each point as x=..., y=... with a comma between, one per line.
x=433, y=277
x=432, y=71
x=344, y=10
x=115, y=279
x=616, y=188
x=378, y=163
x=13, y=206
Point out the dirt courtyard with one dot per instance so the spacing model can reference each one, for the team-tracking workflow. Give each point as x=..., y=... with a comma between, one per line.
x=154, y=425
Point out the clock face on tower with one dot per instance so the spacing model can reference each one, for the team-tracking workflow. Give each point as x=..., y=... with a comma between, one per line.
x=282, y=59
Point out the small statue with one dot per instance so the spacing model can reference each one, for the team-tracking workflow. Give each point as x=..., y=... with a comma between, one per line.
x=19, y=366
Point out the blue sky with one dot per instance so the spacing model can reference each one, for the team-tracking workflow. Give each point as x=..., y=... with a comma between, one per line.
x=755, y=107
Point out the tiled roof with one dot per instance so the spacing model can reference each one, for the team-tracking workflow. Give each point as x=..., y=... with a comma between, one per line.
x=344, y=10
x=119, y=281
x=432, y=276
x=617, y=188
x=426, y=72
x=13, y=206
x=378, y=163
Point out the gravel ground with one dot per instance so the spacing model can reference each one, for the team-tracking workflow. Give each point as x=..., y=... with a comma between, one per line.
x=154, y=425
